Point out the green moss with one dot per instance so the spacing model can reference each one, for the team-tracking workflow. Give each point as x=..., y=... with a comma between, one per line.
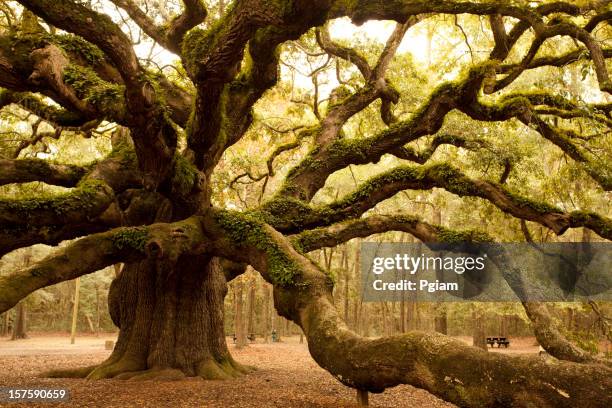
x=184, y=176
x=451, y=237
x=131, y=238
x=452, y=179
x=108, y=98
x=310, y=239
x=602, y=226
x=286, y=210
x=82, y=198
x=248, y=229
x=124, y=151
x=523, y=202
x=73, y=44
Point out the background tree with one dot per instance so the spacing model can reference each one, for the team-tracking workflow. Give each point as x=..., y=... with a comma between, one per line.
x=157, y=201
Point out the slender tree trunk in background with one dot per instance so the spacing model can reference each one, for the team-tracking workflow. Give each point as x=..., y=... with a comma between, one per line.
x=287, y=327
x=570, y=319
x=90, y=323
x=402, y=314
x=357, y=323
x=347, y=281
x=97, y=310
x=357, y=314
x=365, y=324
x=393, y=320
x=267, y=289
x=75, y=310
x=504, y=325
x=346, y=294
x=241, y=339
x=441, y=319
x=478, y=329
x=20, y=323
x=251, y=308
x=4, y=324
x=383, y=308
x=278, y=326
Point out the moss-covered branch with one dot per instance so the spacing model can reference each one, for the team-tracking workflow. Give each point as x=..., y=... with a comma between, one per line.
x=89, y=199
x=292, y=215
x=305, y=179
x=521, y=106
x=421, y=157
x=96, y=251
x=339, y=233
x=26, y=170
x=443, y=366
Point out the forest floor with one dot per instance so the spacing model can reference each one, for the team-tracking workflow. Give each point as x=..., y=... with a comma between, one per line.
x=286, y=377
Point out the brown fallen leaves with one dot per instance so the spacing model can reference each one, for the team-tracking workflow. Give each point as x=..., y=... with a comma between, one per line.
x=286, y=377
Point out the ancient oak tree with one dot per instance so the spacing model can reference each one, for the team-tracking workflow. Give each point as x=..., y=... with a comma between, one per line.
x=149, y=204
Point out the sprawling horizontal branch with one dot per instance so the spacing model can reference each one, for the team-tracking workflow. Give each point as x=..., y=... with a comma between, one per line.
x=446, y=367
x=548, y=335
x=89, y=199
x=557, y=61
x=562, y=29
x=26, y=170
x=521, y=106
x=408, y=153
x=103, y=190
x=165, y=242
x=33, y=104
x=339, y=233
x=292, y=215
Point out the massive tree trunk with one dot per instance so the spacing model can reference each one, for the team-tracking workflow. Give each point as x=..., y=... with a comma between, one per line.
x=171, y=323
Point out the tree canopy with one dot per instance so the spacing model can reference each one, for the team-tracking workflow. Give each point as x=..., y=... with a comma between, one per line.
x=249, y=133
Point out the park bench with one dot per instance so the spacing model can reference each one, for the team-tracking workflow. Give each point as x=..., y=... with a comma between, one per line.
x=500, y=341
x=251, y=337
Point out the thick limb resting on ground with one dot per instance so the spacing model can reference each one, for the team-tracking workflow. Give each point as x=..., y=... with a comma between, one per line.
x=446, y=367
x=151, y=204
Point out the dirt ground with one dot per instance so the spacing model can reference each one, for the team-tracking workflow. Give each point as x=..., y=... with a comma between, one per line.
x=286, y=377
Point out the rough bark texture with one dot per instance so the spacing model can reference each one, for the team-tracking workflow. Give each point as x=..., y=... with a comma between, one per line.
x=20, y=322
x=171, y=326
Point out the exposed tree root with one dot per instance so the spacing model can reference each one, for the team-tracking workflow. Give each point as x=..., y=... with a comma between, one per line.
x=81, y=372
x=111, y=369
x=160, y=374
x=209, y=369
x=228, y=368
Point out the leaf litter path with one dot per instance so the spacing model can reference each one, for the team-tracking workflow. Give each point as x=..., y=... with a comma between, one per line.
x=286, y=377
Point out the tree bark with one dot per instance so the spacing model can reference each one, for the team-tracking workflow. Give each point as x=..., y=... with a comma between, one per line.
x=551, y=339
x=478, y=334
x=75, y=310
x=267, y=312
x=171, y=323
x=239, y=328
x=251, y=308
x=20, y=325
x=440, y=320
